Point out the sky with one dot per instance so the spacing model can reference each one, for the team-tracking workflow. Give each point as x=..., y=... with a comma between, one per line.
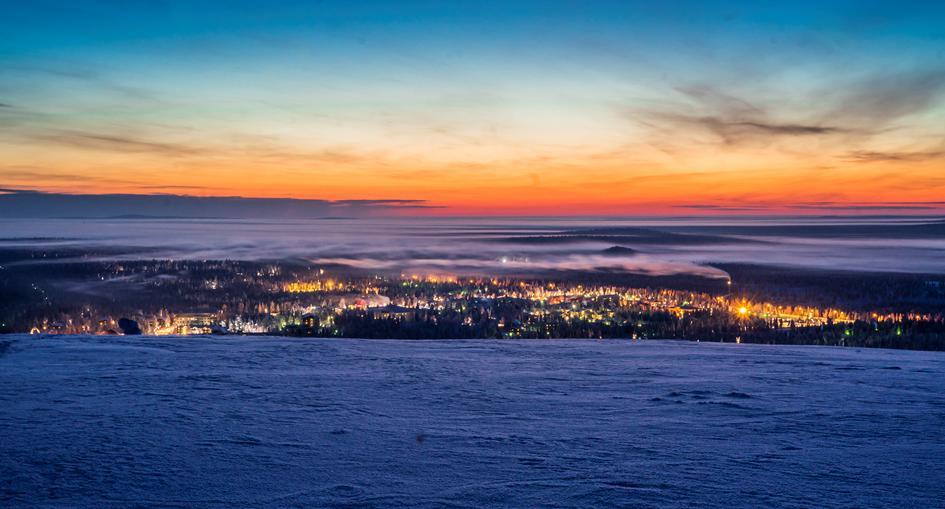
x=482, y=108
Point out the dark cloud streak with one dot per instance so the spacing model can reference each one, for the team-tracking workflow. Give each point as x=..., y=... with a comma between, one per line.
x=869, y=156
x=733, y=120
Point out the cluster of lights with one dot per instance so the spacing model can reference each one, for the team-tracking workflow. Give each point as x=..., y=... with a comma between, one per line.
x=327, y=285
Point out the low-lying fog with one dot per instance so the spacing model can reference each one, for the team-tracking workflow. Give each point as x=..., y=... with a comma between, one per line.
x=496, y=245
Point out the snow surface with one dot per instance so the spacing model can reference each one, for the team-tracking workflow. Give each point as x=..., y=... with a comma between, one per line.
x=275, y=422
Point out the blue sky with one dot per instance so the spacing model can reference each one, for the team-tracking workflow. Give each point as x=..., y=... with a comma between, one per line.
x=438, y=100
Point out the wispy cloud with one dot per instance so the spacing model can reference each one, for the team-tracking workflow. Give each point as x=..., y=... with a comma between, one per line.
x=79, y=74
x=857, y=111
x=732, y=119
x=397, y=203
x=170, y=187
x=114, y=142
x=722, y=208
x=871, y=156
x=881, y=100
x=836, y=206
x=33, y=175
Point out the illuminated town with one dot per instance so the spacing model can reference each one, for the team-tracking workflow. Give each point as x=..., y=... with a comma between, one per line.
x=230, y=297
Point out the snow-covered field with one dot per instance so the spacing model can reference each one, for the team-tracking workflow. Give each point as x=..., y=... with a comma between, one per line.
x=274, y=422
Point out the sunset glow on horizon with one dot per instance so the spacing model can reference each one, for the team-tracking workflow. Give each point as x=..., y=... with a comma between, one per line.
x=558, y=108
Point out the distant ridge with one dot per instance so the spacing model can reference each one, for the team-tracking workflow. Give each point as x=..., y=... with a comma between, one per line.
x=34, y=204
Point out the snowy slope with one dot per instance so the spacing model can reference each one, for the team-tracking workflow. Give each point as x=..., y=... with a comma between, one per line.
x=274, y=422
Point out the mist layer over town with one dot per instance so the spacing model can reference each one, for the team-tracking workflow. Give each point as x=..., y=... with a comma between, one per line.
x=507, y=245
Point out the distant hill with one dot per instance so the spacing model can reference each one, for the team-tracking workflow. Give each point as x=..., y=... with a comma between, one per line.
x=34, y=204
x=618, y=251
